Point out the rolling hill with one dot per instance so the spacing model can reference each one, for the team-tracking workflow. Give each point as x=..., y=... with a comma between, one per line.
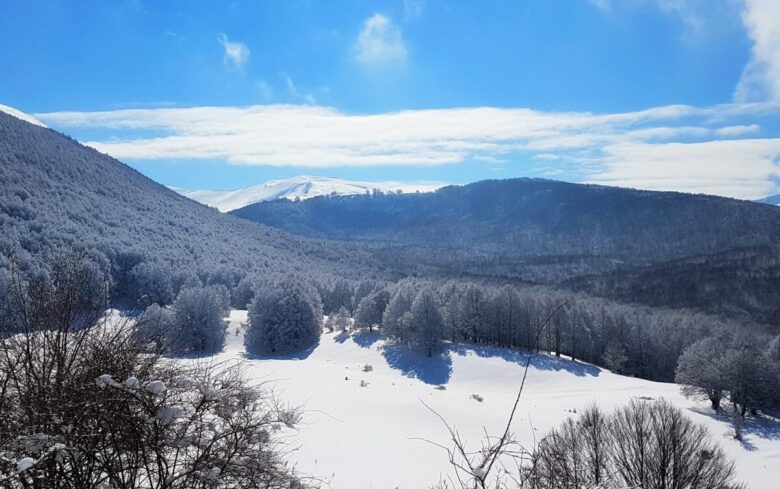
x=57, y=195
x=615, y=242
x=297, y=188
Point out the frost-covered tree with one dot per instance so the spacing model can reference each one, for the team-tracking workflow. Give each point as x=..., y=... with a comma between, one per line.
x=243, y=293
x=471, y=313
x=339, y=320
x=362, y=289
x=284, y=318
x=700, y=371
x=152, y=283
x=157, y=327
x=428, y=325
x=371, y=308
x=185, y=279
x=750, y=379
x=506, y=316
x=396, y=318
x=338, y=295
x=199, y=314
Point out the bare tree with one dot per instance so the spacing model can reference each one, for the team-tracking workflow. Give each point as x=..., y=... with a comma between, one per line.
x=85, y=405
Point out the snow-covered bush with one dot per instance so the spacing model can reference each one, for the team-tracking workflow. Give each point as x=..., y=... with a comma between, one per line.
x=284, y=318
x=198, y=315
x=87, y=407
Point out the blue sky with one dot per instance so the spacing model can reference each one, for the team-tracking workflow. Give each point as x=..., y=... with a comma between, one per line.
x=661, y=94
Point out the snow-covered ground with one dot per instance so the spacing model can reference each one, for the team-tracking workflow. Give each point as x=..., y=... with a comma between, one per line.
x=360, y=437
x=21, y=115
x=301, y=187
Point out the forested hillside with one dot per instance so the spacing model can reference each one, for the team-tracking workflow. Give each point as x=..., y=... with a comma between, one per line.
x=612, y=241
x=57, y=196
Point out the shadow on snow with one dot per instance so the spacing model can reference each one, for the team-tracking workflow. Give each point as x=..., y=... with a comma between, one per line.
x=434, y=370
x=761, y=426
x=298, y=355
x=365, y=339
x=539, y=361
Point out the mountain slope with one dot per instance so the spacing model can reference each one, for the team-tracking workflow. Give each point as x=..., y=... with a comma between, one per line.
x=771, y=200
x=599, y=239
x=377, y=416
x=301, y=187
x=57, y=195
x=20, y=115
x=531, y=217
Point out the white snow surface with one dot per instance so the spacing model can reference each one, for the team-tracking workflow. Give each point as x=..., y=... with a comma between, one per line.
x=358, y=437
x=301, y=187
x=21, y=115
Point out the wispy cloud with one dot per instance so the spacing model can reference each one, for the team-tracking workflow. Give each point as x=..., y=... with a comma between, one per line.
x=737, y=168
x=379, y=42
x=294, y=92
x=693, y=14
x=265, y=89
x=413, y=9
x=761, y=77
x=236, y=53
x=664, y=148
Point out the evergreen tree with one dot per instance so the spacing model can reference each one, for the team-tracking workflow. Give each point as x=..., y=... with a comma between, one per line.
x=428, y=324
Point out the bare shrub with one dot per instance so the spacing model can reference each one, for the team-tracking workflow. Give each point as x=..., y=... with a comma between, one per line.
x=84, y=405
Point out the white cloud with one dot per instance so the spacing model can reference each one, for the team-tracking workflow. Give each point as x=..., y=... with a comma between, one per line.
x=294, y=92
x=379, y=42
x=236, y=53
x=760, y=80
x=670, y=147
x=761, y=77
x=413, y=9
x=265, y=90
x=741, y=168
x=739, y=130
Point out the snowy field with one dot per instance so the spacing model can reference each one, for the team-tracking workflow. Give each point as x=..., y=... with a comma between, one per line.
x=357, y=436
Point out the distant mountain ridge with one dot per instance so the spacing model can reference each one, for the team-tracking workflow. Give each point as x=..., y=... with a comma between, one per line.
x=702, y=251
x=771, y=200
x=297, y=188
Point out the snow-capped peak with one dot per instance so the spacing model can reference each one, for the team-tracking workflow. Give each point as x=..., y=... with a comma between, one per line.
x=21, y=115
x=301, y=187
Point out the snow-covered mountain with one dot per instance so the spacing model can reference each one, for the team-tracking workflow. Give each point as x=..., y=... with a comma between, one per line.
x=21, y=115
x=302, y=187
x=771, y=200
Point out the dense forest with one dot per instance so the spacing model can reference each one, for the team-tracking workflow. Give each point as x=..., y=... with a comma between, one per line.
x=57, y=196
x=659, y=248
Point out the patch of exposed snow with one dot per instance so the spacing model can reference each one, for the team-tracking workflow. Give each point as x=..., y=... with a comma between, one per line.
x=24, y=464
x=156, y=387
x=302, y=187
x=21, y=115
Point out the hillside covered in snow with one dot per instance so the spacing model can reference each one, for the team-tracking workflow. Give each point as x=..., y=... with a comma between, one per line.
x=366, y=424
x=297, y=188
